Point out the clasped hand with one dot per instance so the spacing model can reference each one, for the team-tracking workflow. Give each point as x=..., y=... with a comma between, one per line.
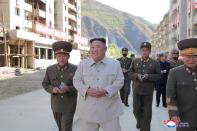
x=142, y=77
x=61, y=90
x=98, y=92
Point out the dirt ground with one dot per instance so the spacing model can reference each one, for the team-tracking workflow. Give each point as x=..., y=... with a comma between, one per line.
x=11, y=85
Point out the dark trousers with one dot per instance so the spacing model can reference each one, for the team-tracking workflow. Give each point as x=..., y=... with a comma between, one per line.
x=142, y=110
x=161, y=90
x=186, y=129
x=124, y=91
x=64, y=120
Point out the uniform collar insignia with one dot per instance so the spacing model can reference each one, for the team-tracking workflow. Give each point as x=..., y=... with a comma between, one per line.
x=62, y=68
x=143, y=60
x=190, y=71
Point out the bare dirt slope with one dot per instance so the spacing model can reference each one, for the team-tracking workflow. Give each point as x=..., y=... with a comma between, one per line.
x=11, y=85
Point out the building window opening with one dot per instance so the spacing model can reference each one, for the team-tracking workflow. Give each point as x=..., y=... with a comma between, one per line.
x=17, y=28
x=28, y=15
x=42, y=6
x=36, y=51
x=42, y=53
x=17, y=11
x=50, y=54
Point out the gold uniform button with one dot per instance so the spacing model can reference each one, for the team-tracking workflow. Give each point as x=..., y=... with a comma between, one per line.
x=196, y=88
x=195, y=79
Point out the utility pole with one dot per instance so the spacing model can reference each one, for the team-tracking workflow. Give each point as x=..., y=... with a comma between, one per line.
x=4, y=40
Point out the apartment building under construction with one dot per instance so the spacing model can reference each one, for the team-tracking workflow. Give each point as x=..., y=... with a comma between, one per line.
x=33, y=25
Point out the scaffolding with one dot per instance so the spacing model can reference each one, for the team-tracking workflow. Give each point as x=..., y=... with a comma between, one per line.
x=14, y=53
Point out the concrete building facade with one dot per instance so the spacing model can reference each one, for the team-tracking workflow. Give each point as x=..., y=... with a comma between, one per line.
x=181, y=23
x=160, y=38
x=34, y=25
x=177, y=21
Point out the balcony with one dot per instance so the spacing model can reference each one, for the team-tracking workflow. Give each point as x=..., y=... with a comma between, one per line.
x=72, y=27
x=73, y=7
x=42, y=14
x=15, y=34
x=72, y=16
x=28, y=7
x=69, y=37
x=43, y=1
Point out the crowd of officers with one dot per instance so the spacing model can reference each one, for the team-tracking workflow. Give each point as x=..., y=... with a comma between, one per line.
x=173, y=79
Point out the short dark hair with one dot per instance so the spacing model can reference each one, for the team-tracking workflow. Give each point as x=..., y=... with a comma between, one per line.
x=103, y=40
x=124, y=49
x=174, y=51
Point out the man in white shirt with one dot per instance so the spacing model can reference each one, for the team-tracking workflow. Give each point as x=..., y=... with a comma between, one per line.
x=98, y=80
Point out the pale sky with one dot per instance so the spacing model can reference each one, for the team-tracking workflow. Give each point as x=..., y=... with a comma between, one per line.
x=150, y=10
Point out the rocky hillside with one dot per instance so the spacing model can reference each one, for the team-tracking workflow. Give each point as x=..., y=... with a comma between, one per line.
x=123, y=29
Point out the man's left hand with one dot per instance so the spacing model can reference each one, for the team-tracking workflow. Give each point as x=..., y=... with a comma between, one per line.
x=101, y=93
x=124, y=70
x=64, y=89
x=145, y=77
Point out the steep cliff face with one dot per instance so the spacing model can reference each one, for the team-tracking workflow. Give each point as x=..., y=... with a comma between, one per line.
x=123, y=29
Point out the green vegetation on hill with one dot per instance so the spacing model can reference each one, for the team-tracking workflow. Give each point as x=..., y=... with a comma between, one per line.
x=113, y=19
x=115, y=52
x=122, y=29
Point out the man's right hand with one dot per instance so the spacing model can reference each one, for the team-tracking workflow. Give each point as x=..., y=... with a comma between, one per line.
x=92, y=92
x=139, y=77
x=55, y=90
x=96, y=92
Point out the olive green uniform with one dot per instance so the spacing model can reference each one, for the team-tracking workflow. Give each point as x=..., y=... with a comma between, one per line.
x=143, y=90
x=175, y=63
x=181, y=90
x=63, y=105
x=182, y=95
x=125, y=63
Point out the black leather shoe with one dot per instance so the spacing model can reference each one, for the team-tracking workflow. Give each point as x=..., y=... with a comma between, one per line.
x=127, y=105
x=164, y=106
x=138, y=126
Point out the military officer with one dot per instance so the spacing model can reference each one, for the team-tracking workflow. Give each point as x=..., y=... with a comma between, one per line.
x=132, y=56
x=144, y=73
x=161, y=83
x=125, y=63
x=58, y=81
x=182, y=88
x=174, y=59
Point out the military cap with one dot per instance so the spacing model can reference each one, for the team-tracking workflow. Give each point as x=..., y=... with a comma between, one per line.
x=124, y=49
x=146, y=45
x=132, y=55
x=188, y=46
x=103, y=40
x=62, y=47
x=174, y=51
x=161, y=54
